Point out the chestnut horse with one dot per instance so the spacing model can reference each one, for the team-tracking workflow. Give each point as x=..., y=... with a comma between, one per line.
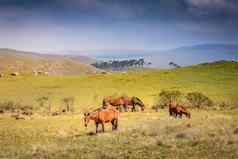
x=125, y=102
x=102, y=116
x=178, y=110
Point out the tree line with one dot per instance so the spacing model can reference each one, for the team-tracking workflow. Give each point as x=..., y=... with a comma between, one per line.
x=118, y=65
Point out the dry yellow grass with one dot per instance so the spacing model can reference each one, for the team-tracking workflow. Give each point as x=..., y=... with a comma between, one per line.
x=209, y=134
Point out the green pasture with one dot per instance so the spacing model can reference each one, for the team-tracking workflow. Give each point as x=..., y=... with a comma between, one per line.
x=217, y=80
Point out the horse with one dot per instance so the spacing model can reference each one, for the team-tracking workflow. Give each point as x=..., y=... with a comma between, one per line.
x=176, y=109
x=125, y=102
x=172, y=108
x=102, y=116
x=180, y=110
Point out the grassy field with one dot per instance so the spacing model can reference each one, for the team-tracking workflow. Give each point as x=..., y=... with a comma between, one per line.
x=217, y=80
x=208, y=134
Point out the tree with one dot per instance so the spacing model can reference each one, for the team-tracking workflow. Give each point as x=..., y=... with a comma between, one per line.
x=198, y=99
x=172, y=64
x=165, y=97
x=120, y=65
x=141, y=62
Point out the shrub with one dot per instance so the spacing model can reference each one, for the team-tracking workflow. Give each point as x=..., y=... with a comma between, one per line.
x=198, y=99
x=10, y=106
x=229, y=103
x=42, y=100
x=45, y=101
x=68, y=103
x=165, y=97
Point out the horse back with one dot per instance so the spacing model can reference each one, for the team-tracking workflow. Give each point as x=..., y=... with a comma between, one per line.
x=108, y=114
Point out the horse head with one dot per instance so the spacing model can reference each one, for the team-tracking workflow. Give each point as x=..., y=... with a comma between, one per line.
x=137, y=101
x=106, y=100
x=142, y=108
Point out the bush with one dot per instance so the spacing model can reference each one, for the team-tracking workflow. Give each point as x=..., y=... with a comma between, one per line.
x=230, y=103
x=68, y=103
x=10, y=106
x=44, y=101
x=164, y=98
x=198, y=99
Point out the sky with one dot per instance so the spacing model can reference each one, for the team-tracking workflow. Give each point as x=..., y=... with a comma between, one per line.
x=56, y=25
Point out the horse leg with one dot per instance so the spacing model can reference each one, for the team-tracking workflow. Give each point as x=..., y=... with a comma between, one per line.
x=113, y=124
x=102, y=126
x=133, y=108
x=125, y=107
x=176, y=114
x=116, y=123
x=170, y=112
x=181, y=114
x=96, y=123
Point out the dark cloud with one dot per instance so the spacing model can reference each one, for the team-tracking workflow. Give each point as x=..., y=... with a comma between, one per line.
x=211, y=20
x=152, y=10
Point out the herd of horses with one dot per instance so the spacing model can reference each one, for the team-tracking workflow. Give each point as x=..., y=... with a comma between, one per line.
x=109, y=112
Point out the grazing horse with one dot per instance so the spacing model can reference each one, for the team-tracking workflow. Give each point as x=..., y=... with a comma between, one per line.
x=102, y=116
x=125, y=102
x=172, y=108
x=178, y=110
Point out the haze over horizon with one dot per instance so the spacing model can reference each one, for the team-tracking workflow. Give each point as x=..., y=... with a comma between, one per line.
x=54, y=25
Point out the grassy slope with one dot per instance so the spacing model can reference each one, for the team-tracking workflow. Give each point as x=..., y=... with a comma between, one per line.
x=26, y=62
x=218, y=80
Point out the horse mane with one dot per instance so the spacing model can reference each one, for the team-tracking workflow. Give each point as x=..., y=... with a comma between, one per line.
x=141, y=103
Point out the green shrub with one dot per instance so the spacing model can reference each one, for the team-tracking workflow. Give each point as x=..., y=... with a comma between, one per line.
x=165, y=97
x=198, y=99
x=42, y=100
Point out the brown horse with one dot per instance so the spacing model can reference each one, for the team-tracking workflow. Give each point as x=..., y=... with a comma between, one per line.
x=178, y=110
x=125, y=102
x=102, y=116
x=172, y=108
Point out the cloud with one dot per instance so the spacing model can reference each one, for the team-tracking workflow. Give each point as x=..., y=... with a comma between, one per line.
x=228, y=6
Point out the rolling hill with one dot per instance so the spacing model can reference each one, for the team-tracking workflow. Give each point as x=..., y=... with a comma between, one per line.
x=27, y=62
x=218, y=80
x=195, y=54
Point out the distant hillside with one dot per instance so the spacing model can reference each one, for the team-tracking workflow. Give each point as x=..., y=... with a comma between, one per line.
x=77, y=56
x=196, y=54
x=27, y=62
x=184, y=56
x=81, y=59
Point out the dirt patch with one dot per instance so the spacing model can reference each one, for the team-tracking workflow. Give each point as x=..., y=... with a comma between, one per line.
x=235, y=131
